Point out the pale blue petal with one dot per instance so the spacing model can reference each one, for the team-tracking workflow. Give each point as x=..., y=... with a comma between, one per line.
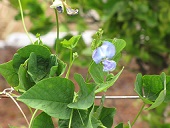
x=98, y=55
x=59, y=9
x=108, y=65
x=108, y=49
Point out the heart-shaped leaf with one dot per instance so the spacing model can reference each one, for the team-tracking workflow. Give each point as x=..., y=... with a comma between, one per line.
x=52, y=95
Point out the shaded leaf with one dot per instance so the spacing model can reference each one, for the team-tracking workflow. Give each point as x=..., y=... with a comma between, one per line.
x=37, y=67
x=79, y=120
x=42, y=121
x=23, y=54
x=159, y=100
x=120, y=125
x=24, y=81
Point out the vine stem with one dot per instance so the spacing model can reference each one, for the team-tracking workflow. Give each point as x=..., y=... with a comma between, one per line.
x=140, y=111
x=32, y=118
x=18, y=107
x=23, y=22
x=57, y=27
x=70, y=121
x=71, y=63
x=71, y=116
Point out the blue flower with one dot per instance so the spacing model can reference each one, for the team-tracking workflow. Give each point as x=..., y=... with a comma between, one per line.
x=108, y=65
x=104, y=54
x=59, y=5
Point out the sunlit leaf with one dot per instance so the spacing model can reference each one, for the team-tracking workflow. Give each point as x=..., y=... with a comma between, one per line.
x=105, y=85
x=52, y=95
x=8, y=72
x=86, y=94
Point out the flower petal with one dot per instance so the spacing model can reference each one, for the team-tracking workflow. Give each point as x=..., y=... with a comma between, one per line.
x=108, y=49
x=108, y=65
x=71, y=11
x=98, y=55
x=60, y=9
x=57, y=4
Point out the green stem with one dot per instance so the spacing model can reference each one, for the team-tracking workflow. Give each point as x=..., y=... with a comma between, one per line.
x=57, y=28
x=88, y=77
x=71, y=63
x=80, y=117
x=30, y=110
x=32, y=118
x=140, y=111
x=70, y=121
x=71, y=116
x=23, y=22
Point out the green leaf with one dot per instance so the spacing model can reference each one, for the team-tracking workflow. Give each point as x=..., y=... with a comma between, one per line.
x=120, y=125
x=79, y=120
x=106, y=116
x=24, y=81
x=42, y=121
x=139, y=88
x=17, y=61
x=167, y=99
x=119, y=44
x=52, y=95
x=86, y=94
x=8, y=72
x=102, y=118
x=159, y=100
x=37, y=67
x=23, y=54
x=139, y=84
x=61, y=67
x=89, y=123
x=130, y=126
x=71, y=43
x=152, y=85
x=104, y=86
x=96, y=72
x=53, y=66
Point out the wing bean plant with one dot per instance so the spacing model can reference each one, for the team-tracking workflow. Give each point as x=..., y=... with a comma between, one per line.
x=42, y=81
